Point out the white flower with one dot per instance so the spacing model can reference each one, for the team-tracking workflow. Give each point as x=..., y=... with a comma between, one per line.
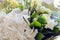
x=14, y=27
x=57, y=37
x=50, y=22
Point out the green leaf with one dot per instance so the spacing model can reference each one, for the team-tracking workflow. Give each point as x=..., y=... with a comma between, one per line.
x=56, y=29
x=34, y=14
x=39, y=36
x=22, y=7
x=32, y=25
x=42, y=20
x=35, y=24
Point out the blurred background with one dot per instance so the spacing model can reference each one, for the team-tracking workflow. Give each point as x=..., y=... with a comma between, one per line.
x=47, y=3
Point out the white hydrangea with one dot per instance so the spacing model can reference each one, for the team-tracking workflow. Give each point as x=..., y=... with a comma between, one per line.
x=13, y=27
